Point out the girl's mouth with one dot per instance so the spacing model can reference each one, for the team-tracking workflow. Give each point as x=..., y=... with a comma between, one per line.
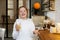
x=23, y=14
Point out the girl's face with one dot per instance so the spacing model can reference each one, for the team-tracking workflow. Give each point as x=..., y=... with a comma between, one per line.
x=22, y=12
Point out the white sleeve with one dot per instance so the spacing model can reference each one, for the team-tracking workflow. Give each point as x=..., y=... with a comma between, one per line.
x=32, y=28
x=15, y=33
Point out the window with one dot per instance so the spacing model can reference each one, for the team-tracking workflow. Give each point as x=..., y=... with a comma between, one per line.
x=11, y=9
x=20, y=3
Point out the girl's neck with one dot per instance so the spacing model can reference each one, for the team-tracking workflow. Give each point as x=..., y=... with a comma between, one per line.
x=24, y=18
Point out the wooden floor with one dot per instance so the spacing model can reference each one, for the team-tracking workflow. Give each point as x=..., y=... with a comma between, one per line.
x=7, y=39
x=10, y=38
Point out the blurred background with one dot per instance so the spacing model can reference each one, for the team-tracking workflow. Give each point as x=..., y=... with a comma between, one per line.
x=37, y=10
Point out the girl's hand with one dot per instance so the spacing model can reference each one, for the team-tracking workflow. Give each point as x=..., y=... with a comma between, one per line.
x=35, y=32
x=18, y=27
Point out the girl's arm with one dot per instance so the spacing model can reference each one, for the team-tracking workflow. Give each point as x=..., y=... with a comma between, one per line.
x=15, y=33
x=33, y=29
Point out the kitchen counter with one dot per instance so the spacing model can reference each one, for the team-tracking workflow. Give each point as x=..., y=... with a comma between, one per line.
x=46, y=35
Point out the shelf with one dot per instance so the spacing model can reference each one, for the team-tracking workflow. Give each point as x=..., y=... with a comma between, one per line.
x=45, y=3
x=45, y=10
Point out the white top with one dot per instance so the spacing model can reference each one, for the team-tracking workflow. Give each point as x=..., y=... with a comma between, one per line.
x=26, y=31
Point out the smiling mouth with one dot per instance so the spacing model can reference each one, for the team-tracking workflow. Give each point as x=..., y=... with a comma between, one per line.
x=23, y=14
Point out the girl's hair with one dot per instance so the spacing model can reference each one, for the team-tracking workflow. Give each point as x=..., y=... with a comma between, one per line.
x=23, y=7
x=20, y=8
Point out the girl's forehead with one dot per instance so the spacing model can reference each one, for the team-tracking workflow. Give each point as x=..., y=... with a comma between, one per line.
x=22, y=8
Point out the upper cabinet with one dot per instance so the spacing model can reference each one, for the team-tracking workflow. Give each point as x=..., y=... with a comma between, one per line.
x=45, y=5
x=48, y=5
x=52, y=5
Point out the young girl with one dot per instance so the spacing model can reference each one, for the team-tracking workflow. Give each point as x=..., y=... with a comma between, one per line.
x=23, y=27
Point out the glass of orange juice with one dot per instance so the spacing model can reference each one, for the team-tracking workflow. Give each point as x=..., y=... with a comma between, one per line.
x=18, y=25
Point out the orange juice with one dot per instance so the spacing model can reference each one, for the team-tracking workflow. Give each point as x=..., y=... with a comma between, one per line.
x=18, y=26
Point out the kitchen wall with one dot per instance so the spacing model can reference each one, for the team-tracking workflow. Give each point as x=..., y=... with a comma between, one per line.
x=55, y=15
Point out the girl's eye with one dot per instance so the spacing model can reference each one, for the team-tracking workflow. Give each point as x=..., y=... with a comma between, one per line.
x=20, y=11
x=24, y=10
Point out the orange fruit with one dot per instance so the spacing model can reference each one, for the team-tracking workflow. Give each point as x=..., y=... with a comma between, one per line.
x=37, y=5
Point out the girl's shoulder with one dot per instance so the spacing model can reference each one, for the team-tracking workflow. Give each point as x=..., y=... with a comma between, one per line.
x=17, y=20
x=30, y=19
